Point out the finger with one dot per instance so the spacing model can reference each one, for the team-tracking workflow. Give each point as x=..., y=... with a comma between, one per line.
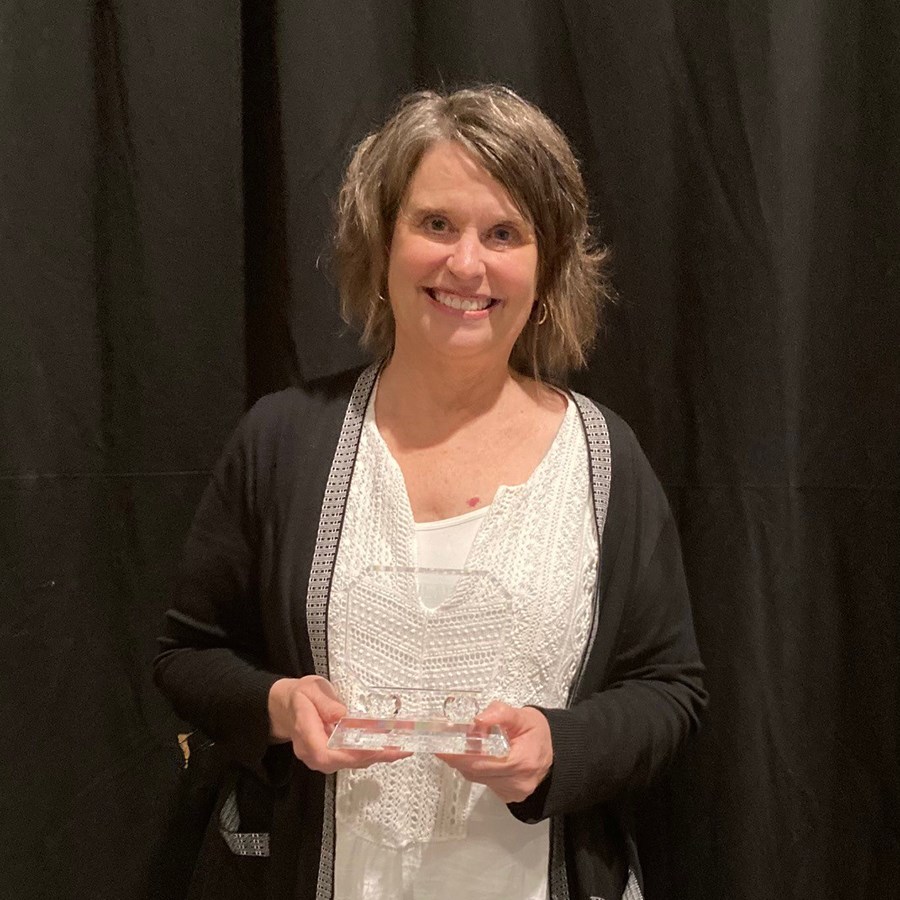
x=505, y=786
x=333, y=760
x=511, y=789
x=509, y=795
x=384, y=755
x=488, y=763
x=318, y=757
x=352, y=759
x=475, y=768
x=391, y=756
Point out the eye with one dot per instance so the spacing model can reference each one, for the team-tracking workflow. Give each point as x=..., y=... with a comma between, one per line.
x=436, y=224
x=504, y=235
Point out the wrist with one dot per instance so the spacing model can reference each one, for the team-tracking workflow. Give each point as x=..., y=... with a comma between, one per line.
x=279, y=708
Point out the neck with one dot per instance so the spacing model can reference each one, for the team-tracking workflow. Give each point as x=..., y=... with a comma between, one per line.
x=443, y=392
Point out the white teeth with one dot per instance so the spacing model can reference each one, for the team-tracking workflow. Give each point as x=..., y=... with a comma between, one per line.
x=466, y=304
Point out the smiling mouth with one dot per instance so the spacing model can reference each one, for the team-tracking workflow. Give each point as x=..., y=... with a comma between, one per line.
x=456, y=301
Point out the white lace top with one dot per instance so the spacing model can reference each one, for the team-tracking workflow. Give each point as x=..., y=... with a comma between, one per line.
x=514, y=627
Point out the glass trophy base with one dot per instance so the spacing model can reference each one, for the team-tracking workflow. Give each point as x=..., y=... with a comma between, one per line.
x=419, y=736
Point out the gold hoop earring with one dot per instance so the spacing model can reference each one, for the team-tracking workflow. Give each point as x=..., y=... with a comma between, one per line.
x=545, y=314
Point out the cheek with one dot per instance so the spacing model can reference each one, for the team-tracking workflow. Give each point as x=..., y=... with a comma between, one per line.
x=524, y=275
x=412, y=259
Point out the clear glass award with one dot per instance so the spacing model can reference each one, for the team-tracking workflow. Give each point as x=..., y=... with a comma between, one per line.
x=417, y=649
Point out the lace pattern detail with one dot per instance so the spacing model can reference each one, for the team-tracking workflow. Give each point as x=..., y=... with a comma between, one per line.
x=539, y=542
x=388, y=631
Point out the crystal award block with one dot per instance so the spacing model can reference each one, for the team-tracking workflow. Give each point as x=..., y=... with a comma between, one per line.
x=417, y=650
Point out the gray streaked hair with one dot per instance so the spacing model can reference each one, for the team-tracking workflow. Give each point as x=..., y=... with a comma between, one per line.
x=528, y=154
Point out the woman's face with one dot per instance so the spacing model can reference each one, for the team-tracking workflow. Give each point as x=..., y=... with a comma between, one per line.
x=462, y=272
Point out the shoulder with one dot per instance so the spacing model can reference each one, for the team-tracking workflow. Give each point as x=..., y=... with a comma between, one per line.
x=284, y=437
x=635, y=492
x=331, y=392
x=299, y=409
x=285, y=427
x=628, y=460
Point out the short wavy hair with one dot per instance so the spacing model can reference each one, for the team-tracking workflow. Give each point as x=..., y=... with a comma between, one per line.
x=528, y=154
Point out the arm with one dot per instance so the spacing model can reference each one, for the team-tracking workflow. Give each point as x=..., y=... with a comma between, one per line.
x=614, y=741
x=212, y=661
x=642, y=694
x=229, y=641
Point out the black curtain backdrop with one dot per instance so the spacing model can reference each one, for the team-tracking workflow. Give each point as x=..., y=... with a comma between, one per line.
x=166, y=175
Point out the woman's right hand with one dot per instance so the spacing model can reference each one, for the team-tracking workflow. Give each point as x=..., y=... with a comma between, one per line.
x=304, y=711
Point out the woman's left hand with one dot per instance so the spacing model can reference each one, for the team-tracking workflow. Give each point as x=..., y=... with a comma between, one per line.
x=530, y=753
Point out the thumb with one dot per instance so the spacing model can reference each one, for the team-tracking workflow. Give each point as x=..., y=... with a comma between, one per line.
x=331, y=710
x=497, y=713
x=323, y=697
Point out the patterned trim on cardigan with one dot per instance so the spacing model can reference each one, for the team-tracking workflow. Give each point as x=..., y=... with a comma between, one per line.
x=330, y=522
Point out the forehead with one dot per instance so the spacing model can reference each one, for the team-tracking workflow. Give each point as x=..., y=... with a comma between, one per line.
x=449, y=176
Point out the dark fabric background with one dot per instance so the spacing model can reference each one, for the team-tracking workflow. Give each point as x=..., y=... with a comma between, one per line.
x=165, y=181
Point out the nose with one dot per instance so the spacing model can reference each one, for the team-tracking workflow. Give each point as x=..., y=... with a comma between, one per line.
x=466, y=260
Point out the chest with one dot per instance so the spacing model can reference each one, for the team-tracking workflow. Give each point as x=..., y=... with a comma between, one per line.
x=516, y=616
x=463, y=473
x=442, y=483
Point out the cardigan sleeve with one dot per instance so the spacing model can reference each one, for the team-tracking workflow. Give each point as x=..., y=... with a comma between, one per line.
x=642, y=693
x=211, y=660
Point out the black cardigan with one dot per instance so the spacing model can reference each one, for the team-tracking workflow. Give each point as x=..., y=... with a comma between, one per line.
x=239, y=624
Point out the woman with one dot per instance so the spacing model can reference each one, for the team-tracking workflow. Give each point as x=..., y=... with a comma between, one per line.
x=464, y=254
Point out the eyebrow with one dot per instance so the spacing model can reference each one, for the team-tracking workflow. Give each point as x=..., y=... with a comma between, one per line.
x=418, y=212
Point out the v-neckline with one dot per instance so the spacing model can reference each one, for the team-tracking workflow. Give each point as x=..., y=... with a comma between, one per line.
x=503, y=490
